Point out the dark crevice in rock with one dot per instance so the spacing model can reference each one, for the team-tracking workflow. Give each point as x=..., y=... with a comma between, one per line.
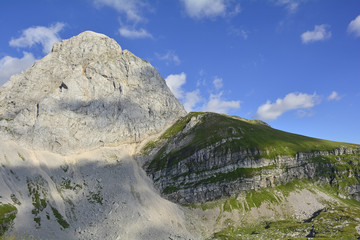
x=63, y=85
x=37, y=110
x=312, y=233
x=315, y=214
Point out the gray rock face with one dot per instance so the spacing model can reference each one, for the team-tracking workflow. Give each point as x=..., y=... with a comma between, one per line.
x=86, y=93
x=354, y=192
x=218, y=175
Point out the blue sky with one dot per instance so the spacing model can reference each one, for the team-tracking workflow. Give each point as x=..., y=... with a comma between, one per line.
x=292, y=63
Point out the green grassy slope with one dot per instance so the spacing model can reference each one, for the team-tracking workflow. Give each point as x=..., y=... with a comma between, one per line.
x=7, y=216
x=241, y=134
x=338, y=219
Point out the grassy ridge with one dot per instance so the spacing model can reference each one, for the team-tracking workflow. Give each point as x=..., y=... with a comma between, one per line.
x=7, y=216
x=241, y=134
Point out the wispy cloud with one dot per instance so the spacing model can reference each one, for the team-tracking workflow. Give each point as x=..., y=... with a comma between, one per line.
x=209, y=8
x=217, y=104
x=45, y=36
x=290, y=5
x=169, y=56
x=292, y=101
x=11, y=65
x=320, y=33
x=238, y=32
x=193, y=100
x=131, y=8
x=218, y=83
x=128, y=32
x=334, y=96
x=134, y=16
x=190, y=99
x=354, y=26
x=38, y=35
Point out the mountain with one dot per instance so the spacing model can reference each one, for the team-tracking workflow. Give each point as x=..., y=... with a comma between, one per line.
x=205, y=156
x=69, y=126
x=95, y=146
x=85, y=94
x=250, y=181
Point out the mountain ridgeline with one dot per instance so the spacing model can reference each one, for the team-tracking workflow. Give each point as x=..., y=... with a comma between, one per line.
x=95, y=146
x=207, y=156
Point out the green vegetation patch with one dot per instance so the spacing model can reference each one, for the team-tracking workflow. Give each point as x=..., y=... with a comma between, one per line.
x=38, y=193
x=7, y=215
x=170, y=189
x=255, y=198
x=179, y=125
x=171, y=132
x=95, y=197
x=342, y=171
x=21, y=157
x=239, y=173
x=66, y=184
x=336, y=222
x=60, y=218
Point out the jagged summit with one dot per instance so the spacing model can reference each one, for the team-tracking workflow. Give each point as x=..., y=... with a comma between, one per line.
x=86, y=93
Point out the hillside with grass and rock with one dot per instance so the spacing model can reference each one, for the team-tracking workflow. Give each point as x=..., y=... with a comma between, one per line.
x=95, y=146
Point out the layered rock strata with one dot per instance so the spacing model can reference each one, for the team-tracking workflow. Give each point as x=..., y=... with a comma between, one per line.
x=207, y=156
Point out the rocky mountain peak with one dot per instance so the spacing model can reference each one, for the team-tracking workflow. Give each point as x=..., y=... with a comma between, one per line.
x=85, y=47
x=86, y=93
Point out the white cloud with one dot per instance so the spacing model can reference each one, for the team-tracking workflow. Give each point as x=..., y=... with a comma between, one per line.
x=271, y=111
x=133, y=33
x=290, y=5
x=208, y=8
x=175, y=82
x=189, y=99
x=304, y=113
x=238, y=32
x=46, y=36
x=219, y=105
x=131, y=8
x=170, y=56
x=320, y=33
x=133, y=11
x=10, y=66
x=218, y=83
x=243, y=34
x=334, y=96
x=354, y=26
x=192, y=99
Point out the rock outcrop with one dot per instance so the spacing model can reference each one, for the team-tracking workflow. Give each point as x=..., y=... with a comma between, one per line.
x=226, y=175
x=86, y=93
x=213, y=156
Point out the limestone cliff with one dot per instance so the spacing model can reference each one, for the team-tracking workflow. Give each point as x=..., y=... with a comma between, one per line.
x=207, y=156
x=86, y=93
